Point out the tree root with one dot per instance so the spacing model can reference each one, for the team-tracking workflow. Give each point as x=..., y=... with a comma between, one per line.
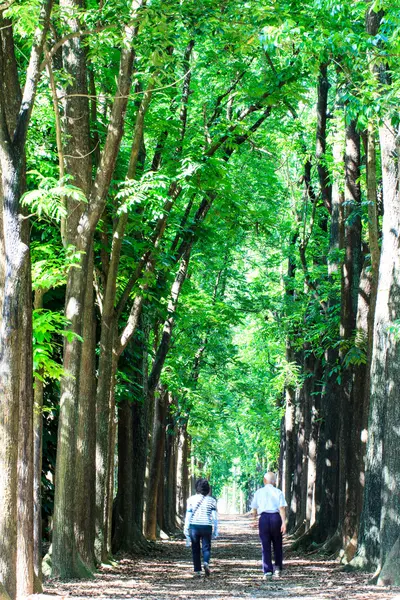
x=390, y=573
x=309, y=541
x=359, y=563
x=332, y=545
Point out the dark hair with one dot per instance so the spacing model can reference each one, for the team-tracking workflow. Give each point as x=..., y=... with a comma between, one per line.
x=202, y=487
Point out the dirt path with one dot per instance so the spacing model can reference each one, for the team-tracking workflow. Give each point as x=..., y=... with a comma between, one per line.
x=236, y=573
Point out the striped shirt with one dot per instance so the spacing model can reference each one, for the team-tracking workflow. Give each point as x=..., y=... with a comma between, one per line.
x=200, y=511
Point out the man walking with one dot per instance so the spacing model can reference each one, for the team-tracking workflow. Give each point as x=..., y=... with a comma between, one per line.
x=270, y=504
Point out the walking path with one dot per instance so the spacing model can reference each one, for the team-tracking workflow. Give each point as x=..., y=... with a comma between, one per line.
x=236, y=573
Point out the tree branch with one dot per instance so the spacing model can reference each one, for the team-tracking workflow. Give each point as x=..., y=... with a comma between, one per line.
x=32, y=76
x=115, y=129
x=218, y=107
x=53, y=50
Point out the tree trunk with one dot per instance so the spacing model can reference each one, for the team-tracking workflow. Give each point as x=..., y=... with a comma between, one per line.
x=66, y=560
x=86, y=432
x=390, y=500
x=352, y=399
x=298, y=482
x=109, y=497
x=326, y=484
x=356, y=442
x=315, y=411
x=378, y=529
x=37, y=466
x=16, y=377
x=142, y=418
x=182, y=468
x=290, y=449
x=123, y=537
x=322, y=109
x=108, y=351
x=169, y=515
x=327, y=455
x=156, y=462
x=25, y=507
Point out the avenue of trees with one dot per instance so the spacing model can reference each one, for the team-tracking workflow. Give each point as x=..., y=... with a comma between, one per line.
x=199, y=230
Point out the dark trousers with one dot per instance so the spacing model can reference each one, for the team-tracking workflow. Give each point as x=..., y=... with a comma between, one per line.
x=202, y=534
x=269, y=526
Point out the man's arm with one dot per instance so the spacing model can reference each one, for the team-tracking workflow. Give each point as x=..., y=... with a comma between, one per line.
x=254, y=517
x=282, y=512
x=253, y=510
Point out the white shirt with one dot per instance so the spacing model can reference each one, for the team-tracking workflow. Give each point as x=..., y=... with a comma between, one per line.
x=268, y=499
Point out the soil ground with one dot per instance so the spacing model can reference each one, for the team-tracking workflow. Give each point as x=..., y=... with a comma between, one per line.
x=236, y=573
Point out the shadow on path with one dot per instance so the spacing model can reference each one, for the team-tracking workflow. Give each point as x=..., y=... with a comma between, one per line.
x=236, y=573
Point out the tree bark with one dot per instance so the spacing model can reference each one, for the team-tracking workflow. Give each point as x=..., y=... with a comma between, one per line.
x=16, y=377
x=352, y=399
x=378, y=529
x=169, y=514
x=182, y=473
x=322, y=109
x=384, y=392
x=156, y=462
x=25, y=506
x=108, y=352
x=65, y=560
x=86, y=432
x=37, y=466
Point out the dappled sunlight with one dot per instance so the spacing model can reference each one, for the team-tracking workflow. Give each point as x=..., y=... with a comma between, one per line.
x=235, y=573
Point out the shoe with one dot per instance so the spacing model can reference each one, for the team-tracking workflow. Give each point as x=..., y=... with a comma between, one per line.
x=276, y=574
x=268, y=575
x=196, y=574
x=206, y=568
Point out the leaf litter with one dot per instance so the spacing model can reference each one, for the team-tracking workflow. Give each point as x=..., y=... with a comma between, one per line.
x=235, y=573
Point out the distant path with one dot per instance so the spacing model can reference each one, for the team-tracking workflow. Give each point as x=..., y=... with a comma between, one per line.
x=236, y=573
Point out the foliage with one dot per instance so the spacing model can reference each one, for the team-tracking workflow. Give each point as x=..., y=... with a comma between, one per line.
x=48, y=326
x=240, y=307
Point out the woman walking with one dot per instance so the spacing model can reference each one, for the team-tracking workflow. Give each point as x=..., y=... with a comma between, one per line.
x=201, y=516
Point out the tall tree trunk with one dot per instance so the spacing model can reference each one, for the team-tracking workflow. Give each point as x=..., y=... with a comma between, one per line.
x=290, y=447
x=65, y=560
x=16, y=377
x=109, y=497
x=25, y=507
x=37, y=465
x=326, y=486
x=156, y=462
x=315, y=407
x=108, y=353
x=169, y=515
x=142, y=419
x=322, y=110
x=301, y=447
x=133, y=430
x=352, y=399
x=123, y=537
x=86, y=432
x=377, y=531
x=182, y=468
x=368, y=551
x=389, y=518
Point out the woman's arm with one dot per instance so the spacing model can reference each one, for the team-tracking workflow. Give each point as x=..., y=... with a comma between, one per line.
x=214, y=516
